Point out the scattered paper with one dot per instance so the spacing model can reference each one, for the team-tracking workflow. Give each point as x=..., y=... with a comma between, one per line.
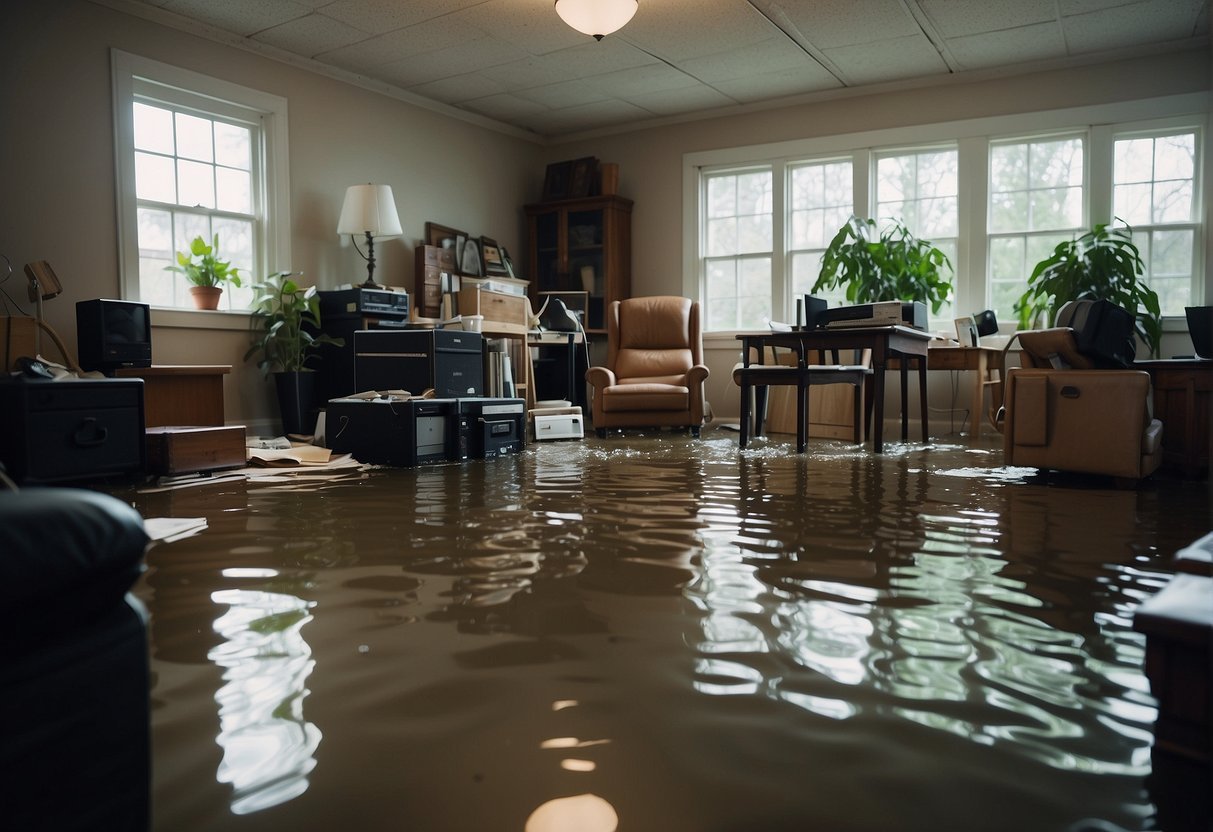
x=168, y=529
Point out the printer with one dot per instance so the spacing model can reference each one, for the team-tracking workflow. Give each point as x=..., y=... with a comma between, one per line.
x=881, y=313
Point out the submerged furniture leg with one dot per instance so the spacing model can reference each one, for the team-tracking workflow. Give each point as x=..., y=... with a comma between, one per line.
x=922, y=395
x=743, y=436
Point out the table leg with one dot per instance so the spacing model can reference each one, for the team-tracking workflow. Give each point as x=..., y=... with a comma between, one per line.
x=903, y=365
x=802, y=406
x=979, y=387
x=744, y=434
x=922, y=396
x=760, y=407
x=878, y=395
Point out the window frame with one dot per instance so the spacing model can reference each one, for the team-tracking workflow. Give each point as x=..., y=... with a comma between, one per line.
x=136, y=77
x=973, y=138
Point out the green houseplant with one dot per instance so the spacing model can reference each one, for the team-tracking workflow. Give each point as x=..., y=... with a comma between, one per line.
x=891, y=264
x=205, y=271
x=1102, y=264
x=286, y=324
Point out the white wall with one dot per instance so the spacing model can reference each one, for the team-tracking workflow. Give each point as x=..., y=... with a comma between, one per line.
x=57, y=172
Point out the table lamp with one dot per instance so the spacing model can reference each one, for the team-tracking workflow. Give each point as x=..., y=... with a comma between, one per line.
x=370, y=210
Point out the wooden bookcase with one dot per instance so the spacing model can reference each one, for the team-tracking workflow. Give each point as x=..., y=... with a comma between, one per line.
x=582, y=245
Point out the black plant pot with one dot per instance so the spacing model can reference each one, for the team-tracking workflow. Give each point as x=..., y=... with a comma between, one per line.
x=297, y=401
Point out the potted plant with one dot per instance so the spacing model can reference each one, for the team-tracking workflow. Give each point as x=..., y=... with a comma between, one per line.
x=1102, y=264
x=891, y=264
x=205, y=271
x=286, y=323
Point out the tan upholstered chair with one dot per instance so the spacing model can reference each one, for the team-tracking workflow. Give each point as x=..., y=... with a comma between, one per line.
x=1060, y=413
x=654, y=373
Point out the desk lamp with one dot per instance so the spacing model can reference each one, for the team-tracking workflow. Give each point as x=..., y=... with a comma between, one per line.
x=370, y=210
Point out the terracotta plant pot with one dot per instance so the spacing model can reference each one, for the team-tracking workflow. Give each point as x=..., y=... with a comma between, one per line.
x=206, y=297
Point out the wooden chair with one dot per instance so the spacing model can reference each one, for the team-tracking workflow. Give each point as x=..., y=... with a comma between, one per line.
x=802, y=374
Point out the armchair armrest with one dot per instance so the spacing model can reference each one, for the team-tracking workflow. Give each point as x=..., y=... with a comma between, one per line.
x=600, y=378
x=697, y=374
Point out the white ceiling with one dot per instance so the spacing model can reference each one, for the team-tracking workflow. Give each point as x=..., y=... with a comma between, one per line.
x=516, y=62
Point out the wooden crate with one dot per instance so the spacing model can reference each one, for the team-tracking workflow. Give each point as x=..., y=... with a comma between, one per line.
x=185, y=450
x=512, y=312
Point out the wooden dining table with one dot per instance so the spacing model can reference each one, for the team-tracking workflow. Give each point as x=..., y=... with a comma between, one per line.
x=904, y=343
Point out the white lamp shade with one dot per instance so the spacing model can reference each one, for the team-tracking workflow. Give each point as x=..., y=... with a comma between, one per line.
x=596, y=17
x=369, y=209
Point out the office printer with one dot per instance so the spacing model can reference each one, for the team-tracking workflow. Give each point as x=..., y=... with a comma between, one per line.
x=881, y=313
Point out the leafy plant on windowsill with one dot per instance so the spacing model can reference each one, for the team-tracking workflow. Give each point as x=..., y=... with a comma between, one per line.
x=202, y=267
x=877, y=266
x=1102, y=264
x=286, y=323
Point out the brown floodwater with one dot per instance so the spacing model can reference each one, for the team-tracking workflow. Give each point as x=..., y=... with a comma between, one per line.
x=654, y=632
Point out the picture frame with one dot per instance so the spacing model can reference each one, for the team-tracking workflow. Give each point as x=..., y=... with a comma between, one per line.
x=491, y=258
x=509, y=263
x=435, y=234
x=581, y=178
x=556, y=181
x=469, y=258
x=966, y=332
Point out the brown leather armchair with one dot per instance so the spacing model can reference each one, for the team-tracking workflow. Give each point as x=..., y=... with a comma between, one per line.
x=1061, y=413
x=654, y=373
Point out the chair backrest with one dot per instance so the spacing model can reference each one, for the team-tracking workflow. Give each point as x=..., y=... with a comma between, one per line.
x=653, y=337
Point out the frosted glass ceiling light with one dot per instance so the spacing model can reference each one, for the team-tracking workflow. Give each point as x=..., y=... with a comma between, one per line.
x=596, y=17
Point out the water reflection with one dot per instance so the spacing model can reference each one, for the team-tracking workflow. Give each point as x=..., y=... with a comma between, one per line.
x=268, y=747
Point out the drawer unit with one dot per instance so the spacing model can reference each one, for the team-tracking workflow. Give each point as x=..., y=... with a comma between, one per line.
x=500, y=311
x=432, y=263
x=57, y=431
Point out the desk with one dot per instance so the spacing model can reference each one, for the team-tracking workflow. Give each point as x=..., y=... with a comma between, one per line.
x=981, y=360
x=885, y=342
x=180, y=394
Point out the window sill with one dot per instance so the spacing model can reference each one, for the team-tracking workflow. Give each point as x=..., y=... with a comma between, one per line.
x=173, y=318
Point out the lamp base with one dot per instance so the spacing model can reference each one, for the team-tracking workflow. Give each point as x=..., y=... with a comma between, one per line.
x=369, y=284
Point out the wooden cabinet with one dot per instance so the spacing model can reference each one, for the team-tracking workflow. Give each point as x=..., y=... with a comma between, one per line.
x=582, y=245
x=1181, y=402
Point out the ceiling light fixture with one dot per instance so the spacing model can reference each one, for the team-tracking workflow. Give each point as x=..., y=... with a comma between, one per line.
x=596, y=17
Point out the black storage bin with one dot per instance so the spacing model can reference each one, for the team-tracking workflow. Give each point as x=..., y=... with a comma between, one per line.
x=60, y=431
x=451, y=362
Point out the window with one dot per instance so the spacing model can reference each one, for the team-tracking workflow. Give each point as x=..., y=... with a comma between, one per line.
x=1035, y=202
x=995, y=194
x=196, y=157
x=822, y=200
x=738, y=244
x=921, y=188
x=1154, y=191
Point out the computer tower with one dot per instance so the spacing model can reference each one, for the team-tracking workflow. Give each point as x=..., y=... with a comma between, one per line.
x=491, y=427
x=391, y=432
x=450, y=362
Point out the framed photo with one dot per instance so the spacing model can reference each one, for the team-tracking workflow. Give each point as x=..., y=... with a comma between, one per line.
x=509, y=264
x=469, y=258
x=966, y=332
x=439, y=235
x=581, y=179
x=492, y=258
x=556, y=182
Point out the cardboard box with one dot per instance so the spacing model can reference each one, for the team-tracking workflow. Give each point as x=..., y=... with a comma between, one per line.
x=500, y=311
x=186, y=449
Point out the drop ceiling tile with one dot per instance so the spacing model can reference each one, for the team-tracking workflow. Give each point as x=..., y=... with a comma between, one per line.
x=956, y=18
x=385, y=15
x=684, y=100
x=772, y=55
x=504, y=107
x=239, y=16
x=1148, y=22
x=311, y=35
x=594, y=58
x=522, y=74
x=434, y=35
x=1069, y=7
x=770, y=85
x=833, y=23
x=449, y=62
x=625, y=83
x=532, y=26
x=561, y=95
x=681, y=29
x=891, y=60
x=1010, y=46
x=459, y=88
x=584, y=117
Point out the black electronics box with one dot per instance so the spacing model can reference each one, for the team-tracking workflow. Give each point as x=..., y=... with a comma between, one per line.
x=914, y=313
x=491, y=427
x=449, y=361
x=61, y=431
x=112, y=334
x=398, y=433
x=366, y=302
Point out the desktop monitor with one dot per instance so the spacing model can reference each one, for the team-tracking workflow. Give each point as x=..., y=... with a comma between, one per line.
x=112, y=334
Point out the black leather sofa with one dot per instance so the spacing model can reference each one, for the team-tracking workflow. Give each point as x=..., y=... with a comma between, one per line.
x=74, y=697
